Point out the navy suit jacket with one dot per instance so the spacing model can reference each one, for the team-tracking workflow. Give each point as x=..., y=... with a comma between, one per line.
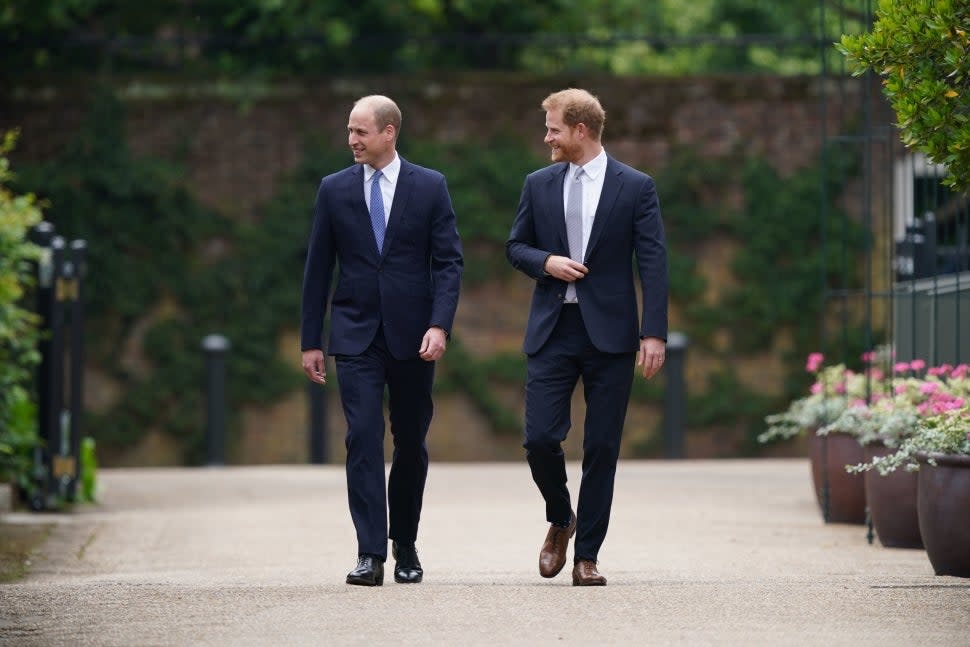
x=411, y=285
x=627, y=224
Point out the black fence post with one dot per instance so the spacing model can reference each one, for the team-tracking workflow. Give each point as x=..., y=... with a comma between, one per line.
x=42, y=235
x=317, y=431
x=79, y=259
x=215, y=347
x=675, y=398
x=63, y=458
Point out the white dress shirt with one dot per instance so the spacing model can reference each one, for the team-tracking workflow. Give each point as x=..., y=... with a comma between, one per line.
x=388, y=184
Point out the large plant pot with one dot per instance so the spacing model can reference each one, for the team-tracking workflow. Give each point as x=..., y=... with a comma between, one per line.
x=892, y=503
x=944, y=512
x=841, y=496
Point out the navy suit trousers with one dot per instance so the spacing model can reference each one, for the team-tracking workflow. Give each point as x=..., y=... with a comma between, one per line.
x=362, y=380
x=553, y=373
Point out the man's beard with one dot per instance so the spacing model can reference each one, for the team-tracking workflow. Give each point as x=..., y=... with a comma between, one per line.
x=564, y=153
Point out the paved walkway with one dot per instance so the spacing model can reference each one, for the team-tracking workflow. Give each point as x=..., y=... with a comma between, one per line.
x=699, y=553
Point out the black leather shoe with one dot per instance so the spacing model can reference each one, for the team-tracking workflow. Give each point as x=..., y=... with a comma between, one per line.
x=407, y=568
x=369, y=571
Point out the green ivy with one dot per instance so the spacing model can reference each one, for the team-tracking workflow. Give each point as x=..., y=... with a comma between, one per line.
x=485, y=182
x=149, y=240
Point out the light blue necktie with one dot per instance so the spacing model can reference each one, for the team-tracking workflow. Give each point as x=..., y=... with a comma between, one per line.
x=377, y=211
x=574, y=225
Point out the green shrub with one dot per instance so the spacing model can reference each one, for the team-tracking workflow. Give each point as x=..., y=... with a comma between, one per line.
x=18, y=327
x=922, y=49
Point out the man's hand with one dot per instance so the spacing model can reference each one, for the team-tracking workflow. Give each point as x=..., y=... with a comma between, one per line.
x=651, y=355
x=314, y=365
x=433, y=345
x=565, y=268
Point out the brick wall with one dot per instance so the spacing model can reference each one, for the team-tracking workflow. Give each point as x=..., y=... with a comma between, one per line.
x=239, y=140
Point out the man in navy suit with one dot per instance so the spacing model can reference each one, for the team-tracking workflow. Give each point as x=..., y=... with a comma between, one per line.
x=390, y=228
x=578, y=227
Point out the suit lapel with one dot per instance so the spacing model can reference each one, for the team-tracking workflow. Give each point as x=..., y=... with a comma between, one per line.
x=405, y=181
x=554, y=197
x=359, y=205
x=357, y=190
x=612, y=183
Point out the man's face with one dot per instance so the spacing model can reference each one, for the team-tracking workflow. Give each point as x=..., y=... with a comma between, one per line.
x=369, y=145
x=561, y=139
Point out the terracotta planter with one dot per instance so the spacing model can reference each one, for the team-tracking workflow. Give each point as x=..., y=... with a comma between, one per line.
x=840, y=495
x=944, y=512
x=892, y=503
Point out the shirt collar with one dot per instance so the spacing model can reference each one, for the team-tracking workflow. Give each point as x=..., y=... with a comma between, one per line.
x=390, y=171
x=593, y=167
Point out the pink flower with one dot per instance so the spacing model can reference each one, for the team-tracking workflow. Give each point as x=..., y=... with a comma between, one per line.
x=917, y=365
x=899, y=389
x=869, y=357
x=858, y=402
x=814, y=362
x=901, y=367
x=840, y=388
x=929, y=388
x=816, y=388
x=960, y=371
x=936, y=370
x=943, y=407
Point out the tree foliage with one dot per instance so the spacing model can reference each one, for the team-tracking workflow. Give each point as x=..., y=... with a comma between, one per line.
x=922, y=49
x=327, y=37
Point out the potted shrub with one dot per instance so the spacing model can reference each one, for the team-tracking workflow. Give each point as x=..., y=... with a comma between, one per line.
x=880, y=425
x=939, y=450
x=840, y=495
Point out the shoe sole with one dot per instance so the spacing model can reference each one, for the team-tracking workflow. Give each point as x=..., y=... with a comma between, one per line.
x=363, y=583
x=404, y=581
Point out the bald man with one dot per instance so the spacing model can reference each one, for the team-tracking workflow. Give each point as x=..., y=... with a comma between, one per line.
x=391, y=226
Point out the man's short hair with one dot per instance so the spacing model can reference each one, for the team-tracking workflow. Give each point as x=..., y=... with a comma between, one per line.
x=578, y=107
x=386, y=112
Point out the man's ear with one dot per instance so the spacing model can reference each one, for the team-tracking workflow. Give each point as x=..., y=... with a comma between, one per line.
x=390, y=132
x=581, y=130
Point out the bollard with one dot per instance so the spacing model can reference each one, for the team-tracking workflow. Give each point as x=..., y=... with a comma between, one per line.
x=42, y=235
x=675, y=398
x=215, y=347
x=51, y=415
x=62, y=448
x=79, y=257
x=317, y=431
x=59, y=397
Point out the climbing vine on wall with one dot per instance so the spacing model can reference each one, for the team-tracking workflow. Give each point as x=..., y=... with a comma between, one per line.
x=151, y=243
x=166, y=271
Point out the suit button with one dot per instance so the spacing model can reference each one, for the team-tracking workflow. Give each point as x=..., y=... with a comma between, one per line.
x=560, y=296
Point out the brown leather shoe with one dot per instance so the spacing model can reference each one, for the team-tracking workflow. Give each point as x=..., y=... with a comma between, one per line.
x=552, y=557
x=585, y=574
